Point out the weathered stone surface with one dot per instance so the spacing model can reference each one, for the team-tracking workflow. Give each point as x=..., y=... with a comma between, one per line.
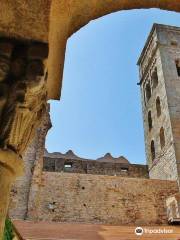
x=173, y=208
x=24, y=189
x=107, y=165
x=102, y=199
x=23, y=101
x=161, y=52
x=23, y=91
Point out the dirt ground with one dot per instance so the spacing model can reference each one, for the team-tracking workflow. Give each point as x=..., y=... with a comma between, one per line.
x=74, y=231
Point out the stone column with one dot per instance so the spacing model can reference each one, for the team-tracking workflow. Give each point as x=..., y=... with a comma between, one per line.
x=25, y=190
x=23, y=101
x=8, y=173
x=6, y=179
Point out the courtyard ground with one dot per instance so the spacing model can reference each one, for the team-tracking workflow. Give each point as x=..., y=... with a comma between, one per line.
x=74, y=231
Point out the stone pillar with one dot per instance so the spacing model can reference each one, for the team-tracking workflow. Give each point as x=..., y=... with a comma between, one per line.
x=36, y=181
x=8, y=173
x=23, y=102
x=24, y=192
x=6, y=179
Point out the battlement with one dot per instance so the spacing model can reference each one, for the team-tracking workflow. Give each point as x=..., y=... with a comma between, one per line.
x=106, y=165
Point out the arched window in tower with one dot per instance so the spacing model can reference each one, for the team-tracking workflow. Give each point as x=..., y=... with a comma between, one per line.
x=153, y=153
x=150, y=120
x=158, y=106
x=162, y=137
x=154, y=78
x=178, y=67
x=148, y=91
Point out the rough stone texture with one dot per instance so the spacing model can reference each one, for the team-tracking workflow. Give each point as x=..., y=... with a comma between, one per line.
x=170, y=52
x=23, y=92
x=23, y=101
x=161, y=52
x=102, y=199
x=33, y=158
x=173, y=208
x=20, y=190
x=110, y=167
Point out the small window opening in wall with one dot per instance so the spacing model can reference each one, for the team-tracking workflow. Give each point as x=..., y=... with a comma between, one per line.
x=144, y=99
x=154, y=78
x=149, y=120
x=148, y=91
x=153, y=153
x=162, y=137
x=124, y=169
x=178, y=67
x=68, y=165
x=144, y=94
x=158, y=106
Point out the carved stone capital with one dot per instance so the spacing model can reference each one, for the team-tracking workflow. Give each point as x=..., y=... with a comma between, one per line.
x=23, y=94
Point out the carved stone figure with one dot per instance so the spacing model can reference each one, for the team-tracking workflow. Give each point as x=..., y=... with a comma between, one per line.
x=23, y=98
x=26, y=98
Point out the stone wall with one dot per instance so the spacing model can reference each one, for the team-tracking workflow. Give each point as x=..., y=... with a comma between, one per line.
x=102, y=199
x=24, y=189
x=95, y=167
x=154, y=56
x=170, y=53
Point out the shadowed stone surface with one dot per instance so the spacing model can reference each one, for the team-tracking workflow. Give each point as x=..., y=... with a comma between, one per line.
x=23, y=101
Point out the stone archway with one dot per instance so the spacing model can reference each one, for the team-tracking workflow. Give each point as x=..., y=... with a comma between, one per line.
x=72, y=15
x=32, y=24
x=58, y=20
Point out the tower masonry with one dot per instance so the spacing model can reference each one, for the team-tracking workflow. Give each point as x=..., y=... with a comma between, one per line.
x=159, y=67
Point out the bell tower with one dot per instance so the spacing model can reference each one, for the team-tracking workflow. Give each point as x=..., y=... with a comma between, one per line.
x=159, y=67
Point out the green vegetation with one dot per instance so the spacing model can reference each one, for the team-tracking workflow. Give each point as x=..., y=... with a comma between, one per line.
x=8, y=231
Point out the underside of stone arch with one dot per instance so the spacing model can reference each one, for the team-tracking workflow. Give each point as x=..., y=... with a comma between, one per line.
x=54, y=21
x=76, y=14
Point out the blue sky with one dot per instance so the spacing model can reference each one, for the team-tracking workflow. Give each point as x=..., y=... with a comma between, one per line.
x=100, y=106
